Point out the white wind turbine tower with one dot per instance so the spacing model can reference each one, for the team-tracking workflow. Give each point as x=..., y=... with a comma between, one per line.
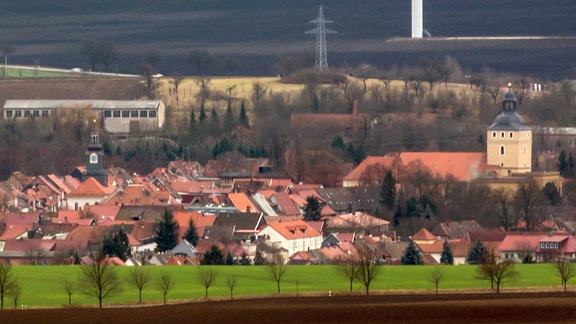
x=417, y=13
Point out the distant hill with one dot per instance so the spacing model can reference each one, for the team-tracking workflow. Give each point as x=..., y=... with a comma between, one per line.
x=255, y=33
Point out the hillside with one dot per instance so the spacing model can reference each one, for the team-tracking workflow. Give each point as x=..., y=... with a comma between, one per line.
x=255, y=33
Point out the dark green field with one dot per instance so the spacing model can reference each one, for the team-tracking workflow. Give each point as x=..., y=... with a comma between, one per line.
x=255, y=32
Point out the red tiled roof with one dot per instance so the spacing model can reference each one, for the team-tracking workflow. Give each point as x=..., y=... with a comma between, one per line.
x=294, y=230
x=103, y=210
x=242, y=202
x=89, y=188
x=463, y=166
x=286, y=204
x=424, y=235
x=13, y=231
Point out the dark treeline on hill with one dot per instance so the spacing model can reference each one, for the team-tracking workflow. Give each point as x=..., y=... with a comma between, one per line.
x=248, y=37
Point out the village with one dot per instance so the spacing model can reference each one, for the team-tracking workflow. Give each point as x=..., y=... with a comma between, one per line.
x=252, y=218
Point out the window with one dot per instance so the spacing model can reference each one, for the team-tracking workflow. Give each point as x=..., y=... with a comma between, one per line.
x=18, y=113
x=9, y=114
x=45, y=113
x=493, y=134
x=541, y=245
x=107, y=113
x=134, y=113
x=511, y=135
x=36, y=113
x=502, y=134
x=26, y=113
x=143, y=113
x=125, y=113
x=556, y=245
x=116, y=113
x=547, y=245
x=152, y=114
x=502, y=150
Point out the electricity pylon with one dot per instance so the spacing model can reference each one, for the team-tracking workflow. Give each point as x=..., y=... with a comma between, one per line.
x=321, y=61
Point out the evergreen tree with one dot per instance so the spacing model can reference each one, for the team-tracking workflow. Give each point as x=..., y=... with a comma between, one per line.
x=244, y=260
x=313, y=208
x=228, y=118
x=202, y=113
x=191, y=234
x=213, y=256
x=338, y=142
x=552, y=194
x=229, y=259
x=259, y=259
x=388, y=191
x=116, y=245
x=166, y=236
x=446, y=257
x=192, y=123
x=411, y=255
x=477, y=254
x=243, y=116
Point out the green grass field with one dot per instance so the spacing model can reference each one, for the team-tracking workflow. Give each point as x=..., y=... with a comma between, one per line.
x=42, y=286
x=32, y=73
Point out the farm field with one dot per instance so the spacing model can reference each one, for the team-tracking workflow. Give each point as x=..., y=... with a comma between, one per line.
x=509, y=308
x=42, y=285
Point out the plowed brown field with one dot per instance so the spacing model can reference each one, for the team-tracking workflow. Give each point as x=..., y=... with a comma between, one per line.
x=405, y=309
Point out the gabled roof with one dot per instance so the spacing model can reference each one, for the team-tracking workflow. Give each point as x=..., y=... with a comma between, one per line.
x=285, y=204
x=14, y=231
x=184, y=248
x=265, y=207
x=455, y=230
x=424, y=235
x=463, y=166
x=132, y=194
x=354, y=220
x=29, y=218
x=242, y=202
x=90, y=188
x=294, y=230
x=103, y=211
x=341, y=199
x=143, y=230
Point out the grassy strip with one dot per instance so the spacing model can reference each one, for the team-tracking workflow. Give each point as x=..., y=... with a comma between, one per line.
x=42, y=285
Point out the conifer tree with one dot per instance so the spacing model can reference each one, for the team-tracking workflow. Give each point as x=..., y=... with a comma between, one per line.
x=446, y=257
x=477, y=254
x=411, y=255
x=388, y=191
x=259, y=259
x=313, y=208
x=191, y=234
x=116, y=245
x=243, y=116
x=166, y=236
x=228, y=118
x=202, y=113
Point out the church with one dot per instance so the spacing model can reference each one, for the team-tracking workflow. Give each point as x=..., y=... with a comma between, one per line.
x=506, y=163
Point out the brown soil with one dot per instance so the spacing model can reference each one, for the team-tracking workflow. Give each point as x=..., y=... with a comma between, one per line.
x=405, y=309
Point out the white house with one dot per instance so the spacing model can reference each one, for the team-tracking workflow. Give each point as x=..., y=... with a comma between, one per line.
x=293, y=236
x=90, y=192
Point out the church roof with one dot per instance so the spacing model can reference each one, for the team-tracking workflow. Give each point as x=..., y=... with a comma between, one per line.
x=509, y=119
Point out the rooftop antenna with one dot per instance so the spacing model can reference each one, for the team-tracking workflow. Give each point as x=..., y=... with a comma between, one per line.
x=321, y=61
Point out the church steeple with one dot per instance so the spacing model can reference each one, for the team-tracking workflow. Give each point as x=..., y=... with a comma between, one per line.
x=509, y=139
x=95, y=155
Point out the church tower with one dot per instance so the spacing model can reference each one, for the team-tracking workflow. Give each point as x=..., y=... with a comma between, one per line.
x=509, y=140
x=94, y=165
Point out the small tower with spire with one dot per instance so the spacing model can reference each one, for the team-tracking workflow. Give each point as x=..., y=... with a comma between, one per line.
x=94, y=156
x=509, y=139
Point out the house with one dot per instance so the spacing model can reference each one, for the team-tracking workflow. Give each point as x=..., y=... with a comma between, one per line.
x=242, y=202
x=293, y=236
x=235, y=226
x=90, y=192
x=184, y=248
x=333, y=239
x=358, y=222
x=539, y=247
x=456, y=230
x=424, y=236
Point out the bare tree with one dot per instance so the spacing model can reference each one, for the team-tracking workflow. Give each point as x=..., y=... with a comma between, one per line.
x=529, y=202
x=7, y=280
x=139, y=277
x=497, y=272
x=349, y=268
x=564, y=269
x=100, y=281
x=368, y=268
x=277, y=268
x=69, y=287
x=206, y=277
x=177, y=82
x=16, y=292
x=231, y=284
x=7, y=49
x=435, y=275
x=165, y=284
x=494, y=93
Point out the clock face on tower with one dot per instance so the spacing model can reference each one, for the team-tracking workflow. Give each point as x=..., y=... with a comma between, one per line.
x=93, y=158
